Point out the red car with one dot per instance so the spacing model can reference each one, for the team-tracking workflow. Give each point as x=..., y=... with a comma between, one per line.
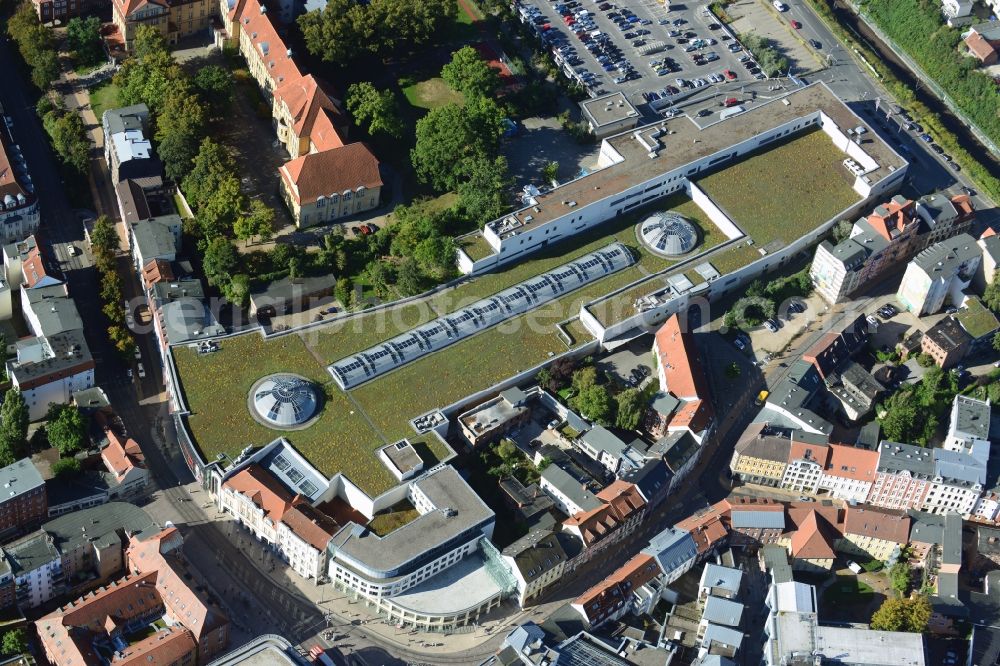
x=731, y=101
x=569, y=20
x=796, y=24
x=729, y=74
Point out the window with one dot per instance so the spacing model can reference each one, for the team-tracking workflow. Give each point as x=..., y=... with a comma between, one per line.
x=347, y=195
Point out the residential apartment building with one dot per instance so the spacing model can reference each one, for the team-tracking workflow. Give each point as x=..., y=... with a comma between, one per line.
x=874, y=532
x=939, y=274
x=486, y=423
x=62, y=10
x=127, y=146
x=621, y=510
x=878, y=242
x=19, y=216
x=755, y=521
x=989, y=245
x=945, y=216
x=946, y=342
x=303, y=535
x=174, y=19
x=806, y=462
x=571, y=493
x=537, y=561
x=24, y=503
x=850, y=472
x=160, y=588
x=761, y=455
x=331, y=185
x=125, y=460
x=983, y=42
x=682, y=377
x=904, y=475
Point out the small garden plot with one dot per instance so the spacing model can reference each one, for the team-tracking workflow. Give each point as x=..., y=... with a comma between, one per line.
x=784, y=191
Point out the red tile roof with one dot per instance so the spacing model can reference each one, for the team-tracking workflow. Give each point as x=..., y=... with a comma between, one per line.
x=877, y=523
x=168, y=646
x=802, y=451
x=263, y=489
x=979, y=47
x=850, y=462
x=685, y=377
x=311, y=110
x=267, y=44
x=311, y=525
x=331, y=172
x=601, y=599
x=621, y=501
x=121, y=458
x=814, y=539
x=898, y=218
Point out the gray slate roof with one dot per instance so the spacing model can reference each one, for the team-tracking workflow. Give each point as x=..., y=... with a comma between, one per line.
x=18, y=478
x=723, y=611
x=570, y=487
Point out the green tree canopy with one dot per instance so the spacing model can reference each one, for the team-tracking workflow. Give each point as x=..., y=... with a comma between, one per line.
x=219, y=261
x=469, y=74
x=450, y=134
x=344, y=29
x=215, y=85
x=13, y=428
x=631, y=407
x=375, y=110
x=899, y=575
x=595, y=403
x=66, y=468
x=484, y=183
x=83, y=36
x=258, y=221
x=911, y=615
x=180, y=127
x=14, y=642
x=103, y=237
x=66, y=429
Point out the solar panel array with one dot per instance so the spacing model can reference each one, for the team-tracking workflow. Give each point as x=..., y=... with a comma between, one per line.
x=443, y=331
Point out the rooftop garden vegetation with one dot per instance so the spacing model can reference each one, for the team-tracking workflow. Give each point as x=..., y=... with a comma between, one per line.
x=809, y=165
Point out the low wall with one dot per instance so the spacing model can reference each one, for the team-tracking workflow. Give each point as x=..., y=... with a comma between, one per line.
x=715, y=214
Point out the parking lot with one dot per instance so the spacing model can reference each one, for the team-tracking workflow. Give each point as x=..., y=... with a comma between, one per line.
x=654, y=55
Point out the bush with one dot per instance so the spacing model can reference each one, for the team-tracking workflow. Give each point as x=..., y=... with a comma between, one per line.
x=925, y=360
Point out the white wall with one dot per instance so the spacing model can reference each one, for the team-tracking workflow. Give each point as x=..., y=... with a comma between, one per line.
x=59, y=391
x=719, y=219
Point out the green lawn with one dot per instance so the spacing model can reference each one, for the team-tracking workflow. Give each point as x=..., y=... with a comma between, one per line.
x=847, y=591
x=779, y=193
x=431, y=94
x=216, y=388
x=578, y=332
x=103, y=97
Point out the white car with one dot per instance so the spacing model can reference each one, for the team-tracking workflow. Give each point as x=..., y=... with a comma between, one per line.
x=780, y=6
x=142, y=371
x=137, y=354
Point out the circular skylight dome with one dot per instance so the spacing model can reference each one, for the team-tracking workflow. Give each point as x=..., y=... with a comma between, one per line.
x=668, y=234
x=284, y=401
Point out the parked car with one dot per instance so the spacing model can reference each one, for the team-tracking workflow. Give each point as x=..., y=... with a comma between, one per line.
x=815, y=44
x=729, y=74
x=926, y=138
x=771, y=325
x=142, y=370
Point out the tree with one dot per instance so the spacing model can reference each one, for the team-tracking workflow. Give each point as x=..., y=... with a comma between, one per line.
x=544, y=378
x=899, y=575
x=550, y=171
x=259, y=221
x=14, y=642
x=66, y=468
x=69, y=138
x=911, y=615
x=925, y=360
x=213, y=190
x=103, y=237
x=345, y=30
x=449, y=134
x=219, y=261
x=898, y=418
x=375, y=110
x=991, y=295
x=409, y=279
x=66, y=428
x=237, y=290
x=594, y=403
x=469, y=74
x=215, y=86
x=13, y=427
x=380, y=275
x=631, y=407
x=44, y=68
x=481, y=191
x=584, y=378
x=83, y=35
x=180, y=127
x=841, y=231
x=996, y=341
